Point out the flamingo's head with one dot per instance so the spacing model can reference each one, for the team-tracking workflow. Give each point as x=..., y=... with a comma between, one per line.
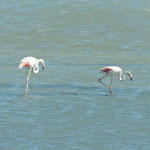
x=43, y=65
x=130, y=75
x=42, y=62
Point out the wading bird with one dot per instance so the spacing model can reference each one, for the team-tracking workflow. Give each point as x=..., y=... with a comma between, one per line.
x=32, y=64
x=113, y=71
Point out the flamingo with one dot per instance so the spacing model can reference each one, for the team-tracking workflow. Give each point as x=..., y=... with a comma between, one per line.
x=113, y=71
x=32, y=64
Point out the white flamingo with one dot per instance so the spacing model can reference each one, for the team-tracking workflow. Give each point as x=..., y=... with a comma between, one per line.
x=114, y=71
x=32, y=64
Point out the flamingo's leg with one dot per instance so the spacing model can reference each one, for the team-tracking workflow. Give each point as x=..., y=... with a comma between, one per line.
x=102, y=82
x=110, y=86
x=27, y=81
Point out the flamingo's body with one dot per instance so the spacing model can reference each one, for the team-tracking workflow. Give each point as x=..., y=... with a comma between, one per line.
x=32, y=64
x=113, y=71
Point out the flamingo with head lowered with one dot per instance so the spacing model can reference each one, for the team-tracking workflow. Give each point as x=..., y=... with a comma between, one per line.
x=32, y=64
x=113, y=71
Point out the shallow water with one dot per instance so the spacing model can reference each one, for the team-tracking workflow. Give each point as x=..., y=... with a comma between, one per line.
x=67, y=109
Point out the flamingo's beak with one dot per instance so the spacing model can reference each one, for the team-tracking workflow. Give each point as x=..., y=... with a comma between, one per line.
x=43, y=66
x=131, y=79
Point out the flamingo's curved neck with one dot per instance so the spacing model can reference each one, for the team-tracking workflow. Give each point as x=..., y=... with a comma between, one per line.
x=36, y=68
x=121, y=76
x=40, y=61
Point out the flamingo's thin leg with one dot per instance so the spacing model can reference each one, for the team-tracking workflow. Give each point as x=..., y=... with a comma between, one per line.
x=27, y=86
x=110, y=86
x=102, y=82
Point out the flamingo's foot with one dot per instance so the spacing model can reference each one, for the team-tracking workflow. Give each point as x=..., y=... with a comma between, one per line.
x=110, y=92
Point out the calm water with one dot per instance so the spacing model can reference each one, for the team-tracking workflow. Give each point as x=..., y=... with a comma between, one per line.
x=67, y=109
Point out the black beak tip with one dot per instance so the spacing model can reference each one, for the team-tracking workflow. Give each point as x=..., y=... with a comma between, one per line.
x=131, y=79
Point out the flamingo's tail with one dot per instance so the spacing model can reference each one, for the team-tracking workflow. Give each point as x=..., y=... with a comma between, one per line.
x=23, y=64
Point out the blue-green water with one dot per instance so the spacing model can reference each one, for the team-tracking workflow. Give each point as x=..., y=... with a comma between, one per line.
x=67, y=109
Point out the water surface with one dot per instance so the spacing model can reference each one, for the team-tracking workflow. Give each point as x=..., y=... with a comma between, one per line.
x=67, y=109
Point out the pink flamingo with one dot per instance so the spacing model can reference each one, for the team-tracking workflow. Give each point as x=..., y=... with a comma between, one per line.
x=113, y=71
x=32, y=64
